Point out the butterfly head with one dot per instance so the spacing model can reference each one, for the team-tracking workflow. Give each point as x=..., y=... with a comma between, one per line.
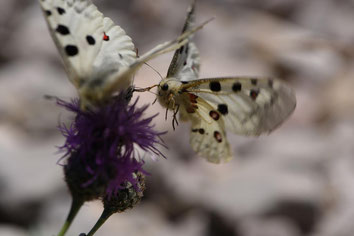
x=168, y=91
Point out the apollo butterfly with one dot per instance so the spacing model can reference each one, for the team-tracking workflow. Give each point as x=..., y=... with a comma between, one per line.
x=242, y=105
x=99, y=57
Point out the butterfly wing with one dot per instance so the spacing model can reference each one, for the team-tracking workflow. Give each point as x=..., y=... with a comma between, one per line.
x=208, y=136
x=90, y=44
x=247, y=106
x=186, y=61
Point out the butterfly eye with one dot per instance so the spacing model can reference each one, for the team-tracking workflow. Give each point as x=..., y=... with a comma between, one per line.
x=164, y=87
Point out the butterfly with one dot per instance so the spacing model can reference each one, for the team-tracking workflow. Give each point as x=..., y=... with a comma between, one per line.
x=242, y=105
x=99, y=57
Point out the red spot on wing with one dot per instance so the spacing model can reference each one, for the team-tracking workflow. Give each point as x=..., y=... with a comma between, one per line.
x=193, y=98
x=193, y=101
x=218, y=136
x=254, y=94
x=214, y=115
x=105, y=36
x=192, y=108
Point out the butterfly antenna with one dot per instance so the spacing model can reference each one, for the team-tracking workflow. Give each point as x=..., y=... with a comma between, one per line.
x=153, y=69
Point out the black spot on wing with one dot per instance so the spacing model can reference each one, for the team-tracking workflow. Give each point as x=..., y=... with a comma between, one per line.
x=215, y=86
x=236, y=87
x=181, y=50
x=63, y=30
x=201, y=131
x=254, y=82
x=90, y=40
x=270, y=83
x=61, y=11
x=48, y=13
x=222, y=108
x=71, y=50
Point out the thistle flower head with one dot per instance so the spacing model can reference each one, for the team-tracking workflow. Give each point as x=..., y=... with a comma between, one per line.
x=126, y=197
x=100, y=146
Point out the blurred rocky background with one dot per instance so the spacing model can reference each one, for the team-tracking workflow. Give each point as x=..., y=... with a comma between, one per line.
x=297, y=181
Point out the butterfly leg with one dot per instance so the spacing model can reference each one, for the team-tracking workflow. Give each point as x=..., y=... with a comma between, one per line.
x=154, y=101
x=174, y=119
x=170, y=100
x=172, y=105
x=144, y=89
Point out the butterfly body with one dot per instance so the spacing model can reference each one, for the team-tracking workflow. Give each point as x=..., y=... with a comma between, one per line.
x=174, y=95
x=97, y=90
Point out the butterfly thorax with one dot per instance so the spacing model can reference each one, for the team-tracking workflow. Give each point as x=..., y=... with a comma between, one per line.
x=99, y=89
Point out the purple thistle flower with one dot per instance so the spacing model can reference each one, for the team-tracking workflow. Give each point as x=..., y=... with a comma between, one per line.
x=100, y=147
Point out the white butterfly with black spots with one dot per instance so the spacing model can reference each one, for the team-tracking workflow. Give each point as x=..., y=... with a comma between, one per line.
x=99, y=57
x=242, y=105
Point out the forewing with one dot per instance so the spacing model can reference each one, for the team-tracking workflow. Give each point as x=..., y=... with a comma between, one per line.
x=208, y=136
x=186, y=62
x=112, y=83
x=248, y=106
x=90, y=44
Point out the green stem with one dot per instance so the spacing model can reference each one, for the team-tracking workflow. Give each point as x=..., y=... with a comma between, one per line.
x=105, y=215
x=75, y=207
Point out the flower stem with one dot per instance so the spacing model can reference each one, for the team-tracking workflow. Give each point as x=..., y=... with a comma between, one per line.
x=75, y=207
x=105, y=215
